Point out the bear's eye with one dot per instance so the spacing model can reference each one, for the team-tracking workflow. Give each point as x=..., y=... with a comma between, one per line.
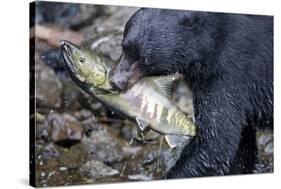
x=131, y=52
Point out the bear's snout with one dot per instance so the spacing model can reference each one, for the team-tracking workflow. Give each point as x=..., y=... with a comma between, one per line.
x=117, y=85
x=125, y=74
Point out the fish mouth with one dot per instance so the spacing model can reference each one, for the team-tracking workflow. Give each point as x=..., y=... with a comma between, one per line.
x=67, y=51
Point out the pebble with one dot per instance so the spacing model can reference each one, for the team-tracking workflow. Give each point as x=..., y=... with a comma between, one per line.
x=43, y=174
x=63, y=168
x=98, y=169
x=139, y=177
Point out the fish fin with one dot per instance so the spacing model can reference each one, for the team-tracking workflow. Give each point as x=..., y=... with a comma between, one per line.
x=175, y=140
x=141, y=137
x=140, y=134
x=143, y=125
x=165, y=83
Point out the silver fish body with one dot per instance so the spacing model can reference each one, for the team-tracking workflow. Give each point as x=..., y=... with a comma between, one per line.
x=145, y=103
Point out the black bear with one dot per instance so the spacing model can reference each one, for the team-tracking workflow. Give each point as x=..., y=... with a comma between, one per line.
x=228, y=61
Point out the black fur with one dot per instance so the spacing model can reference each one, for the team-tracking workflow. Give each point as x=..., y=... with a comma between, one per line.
x=228, y=61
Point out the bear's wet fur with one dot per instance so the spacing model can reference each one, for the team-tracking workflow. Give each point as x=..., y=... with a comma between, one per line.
x=228, y=61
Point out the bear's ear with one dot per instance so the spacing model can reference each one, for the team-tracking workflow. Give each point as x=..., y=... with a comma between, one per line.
x=191, y=21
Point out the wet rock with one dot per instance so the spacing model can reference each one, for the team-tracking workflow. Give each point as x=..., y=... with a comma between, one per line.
x=90, y=103
x=265, y=143
x=98, y=169
x=39, y=117
x=90, y=125
x=48, y=87
x=154, y=163
x=70, y=95
x=160, y=158
x=170, y=157
x=47, y=151
x=140, y=177
x=41, y=128
x=114, y=18
x=63, y=168
x=131, y=151
x=84, y=115
x=54, y=59
x=129, y=131
x=150, y=157
x=64, y=129
x=269, y=148
x=42, y=135
x=264, y=138
x=265, y=151
x=43, y=174
x=106, y=33
x=72, y=157
x=108, y=44
x=69, y=15
x=53, y=12
x=86, y=16
x=117, y=16
x=104, y=146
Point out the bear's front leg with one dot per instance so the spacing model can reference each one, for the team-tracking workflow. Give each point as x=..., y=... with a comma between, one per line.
x=220, y=119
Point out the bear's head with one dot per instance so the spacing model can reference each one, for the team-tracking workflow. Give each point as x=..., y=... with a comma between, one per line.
x=161, y=41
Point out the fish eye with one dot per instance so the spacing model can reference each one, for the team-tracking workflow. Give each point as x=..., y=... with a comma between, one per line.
x=82, y=60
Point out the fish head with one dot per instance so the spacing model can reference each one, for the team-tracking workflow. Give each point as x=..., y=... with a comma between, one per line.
x=85, y=66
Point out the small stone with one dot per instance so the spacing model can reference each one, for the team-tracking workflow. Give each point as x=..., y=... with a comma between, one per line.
x=269, y=149
x=131, y=150
x=150, y=158
x=48, y=87
x=98, y=169
x=139, y=177
x=104, y=146
x=64, y=129
x=84, y=114
x=63, y=168
x=43, y=174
